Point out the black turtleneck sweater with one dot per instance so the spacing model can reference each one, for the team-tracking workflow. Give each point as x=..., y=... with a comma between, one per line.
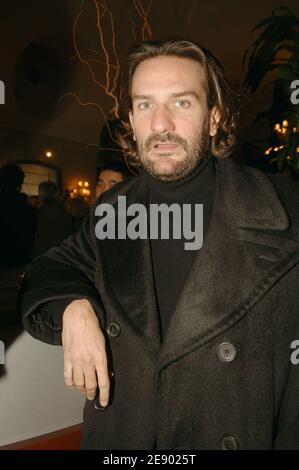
x=171, y=262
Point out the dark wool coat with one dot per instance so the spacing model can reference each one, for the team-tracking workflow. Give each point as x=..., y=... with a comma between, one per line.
x=223, y=378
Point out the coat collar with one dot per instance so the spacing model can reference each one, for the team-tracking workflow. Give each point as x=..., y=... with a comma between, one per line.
x=250, y=197
x=244, y=254
x=245, y=251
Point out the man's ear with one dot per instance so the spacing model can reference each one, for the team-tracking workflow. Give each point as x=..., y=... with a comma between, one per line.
x=214, y=120
x=132, y=123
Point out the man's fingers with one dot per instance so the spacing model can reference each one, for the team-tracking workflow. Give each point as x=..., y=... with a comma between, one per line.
x=104, y=383
x=78, y=378
x=68, y=375
x=85, y=352
x=91, y=384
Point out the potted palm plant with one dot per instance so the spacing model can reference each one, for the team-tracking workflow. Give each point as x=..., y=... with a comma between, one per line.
x=275, y=55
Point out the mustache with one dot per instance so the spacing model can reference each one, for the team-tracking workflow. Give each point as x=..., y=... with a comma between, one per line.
x=155, y=138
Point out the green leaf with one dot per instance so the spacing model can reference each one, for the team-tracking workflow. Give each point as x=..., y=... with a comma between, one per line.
x=279, y=29
x=285, y=72
x=282, y=8
x=263, y=23
x=262, y=115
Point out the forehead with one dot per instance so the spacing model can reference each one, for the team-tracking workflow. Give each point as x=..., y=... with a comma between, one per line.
x=109, y=175
x=168, y=73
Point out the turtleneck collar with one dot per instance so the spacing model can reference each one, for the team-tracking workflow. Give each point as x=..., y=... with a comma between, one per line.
x=194, y=186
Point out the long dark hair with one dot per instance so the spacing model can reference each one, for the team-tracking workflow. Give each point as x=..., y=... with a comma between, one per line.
x=220, y=92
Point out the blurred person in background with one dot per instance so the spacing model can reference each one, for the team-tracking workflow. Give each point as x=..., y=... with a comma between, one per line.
x=53, y=223
x=110, y=174
x=34, y=202
x=17, y=218
x=77, y=208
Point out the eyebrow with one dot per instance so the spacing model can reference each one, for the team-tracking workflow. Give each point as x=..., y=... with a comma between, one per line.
x=172, y=95
x=100, y=180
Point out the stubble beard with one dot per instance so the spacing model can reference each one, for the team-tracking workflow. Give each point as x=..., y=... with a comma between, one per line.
x=195, y=150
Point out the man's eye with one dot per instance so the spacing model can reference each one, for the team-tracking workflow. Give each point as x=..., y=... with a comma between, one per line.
x=182, y=104
x=145, y=106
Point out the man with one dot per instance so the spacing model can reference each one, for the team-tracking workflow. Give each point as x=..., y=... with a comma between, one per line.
x=17, y=218
x=189, y=349
x=53, y=224
x=108, y=175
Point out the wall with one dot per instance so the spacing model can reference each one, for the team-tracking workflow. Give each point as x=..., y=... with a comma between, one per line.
x=76, y=160
x=33, y=397
x=48, y=24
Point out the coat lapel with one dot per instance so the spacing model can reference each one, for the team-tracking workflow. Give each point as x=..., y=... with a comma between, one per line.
x=126, y=278
x=244, y=254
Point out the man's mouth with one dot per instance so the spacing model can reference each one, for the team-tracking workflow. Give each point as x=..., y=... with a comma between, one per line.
x=165, y=146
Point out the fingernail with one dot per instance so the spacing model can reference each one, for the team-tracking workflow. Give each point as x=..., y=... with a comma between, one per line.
x=98, y=406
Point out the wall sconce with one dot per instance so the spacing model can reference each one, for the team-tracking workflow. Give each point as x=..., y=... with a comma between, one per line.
x=81, y=190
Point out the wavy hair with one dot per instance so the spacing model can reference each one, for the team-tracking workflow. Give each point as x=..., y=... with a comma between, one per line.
x=219, y=91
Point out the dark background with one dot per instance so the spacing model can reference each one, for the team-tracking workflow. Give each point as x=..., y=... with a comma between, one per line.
x=224, y=26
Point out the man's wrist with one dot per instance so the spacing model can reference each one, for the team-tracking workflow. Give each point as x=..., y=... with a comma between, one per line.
x=79, y=308
x=80, y=302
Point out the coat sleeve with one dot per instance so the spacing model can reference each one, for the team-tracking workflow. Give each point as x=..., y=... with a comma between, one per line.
x=52, y=281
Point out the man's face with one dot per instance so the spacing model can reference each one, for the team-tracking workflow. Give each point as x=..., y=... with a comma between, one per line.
x=107, y=179
x=170, y=117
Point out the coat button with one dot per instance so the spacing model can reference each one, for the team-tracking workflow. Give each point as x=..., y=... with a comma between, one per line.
x=113, y=329
x=229, y=443
x=21, y=277
x=226, y=352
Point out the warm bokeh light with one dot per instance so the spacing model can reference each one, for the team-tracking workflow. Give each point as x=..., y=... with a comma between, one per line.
x=81, y=190
x=267, y=151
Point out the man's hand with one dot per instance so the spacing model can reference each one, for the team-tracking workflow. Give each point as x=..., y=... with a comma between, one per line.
x=85, y=360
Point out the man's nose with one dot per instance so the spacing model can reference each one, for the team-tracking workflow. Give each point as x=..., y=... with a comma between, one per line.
x=106, y=186
x=162, y=120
